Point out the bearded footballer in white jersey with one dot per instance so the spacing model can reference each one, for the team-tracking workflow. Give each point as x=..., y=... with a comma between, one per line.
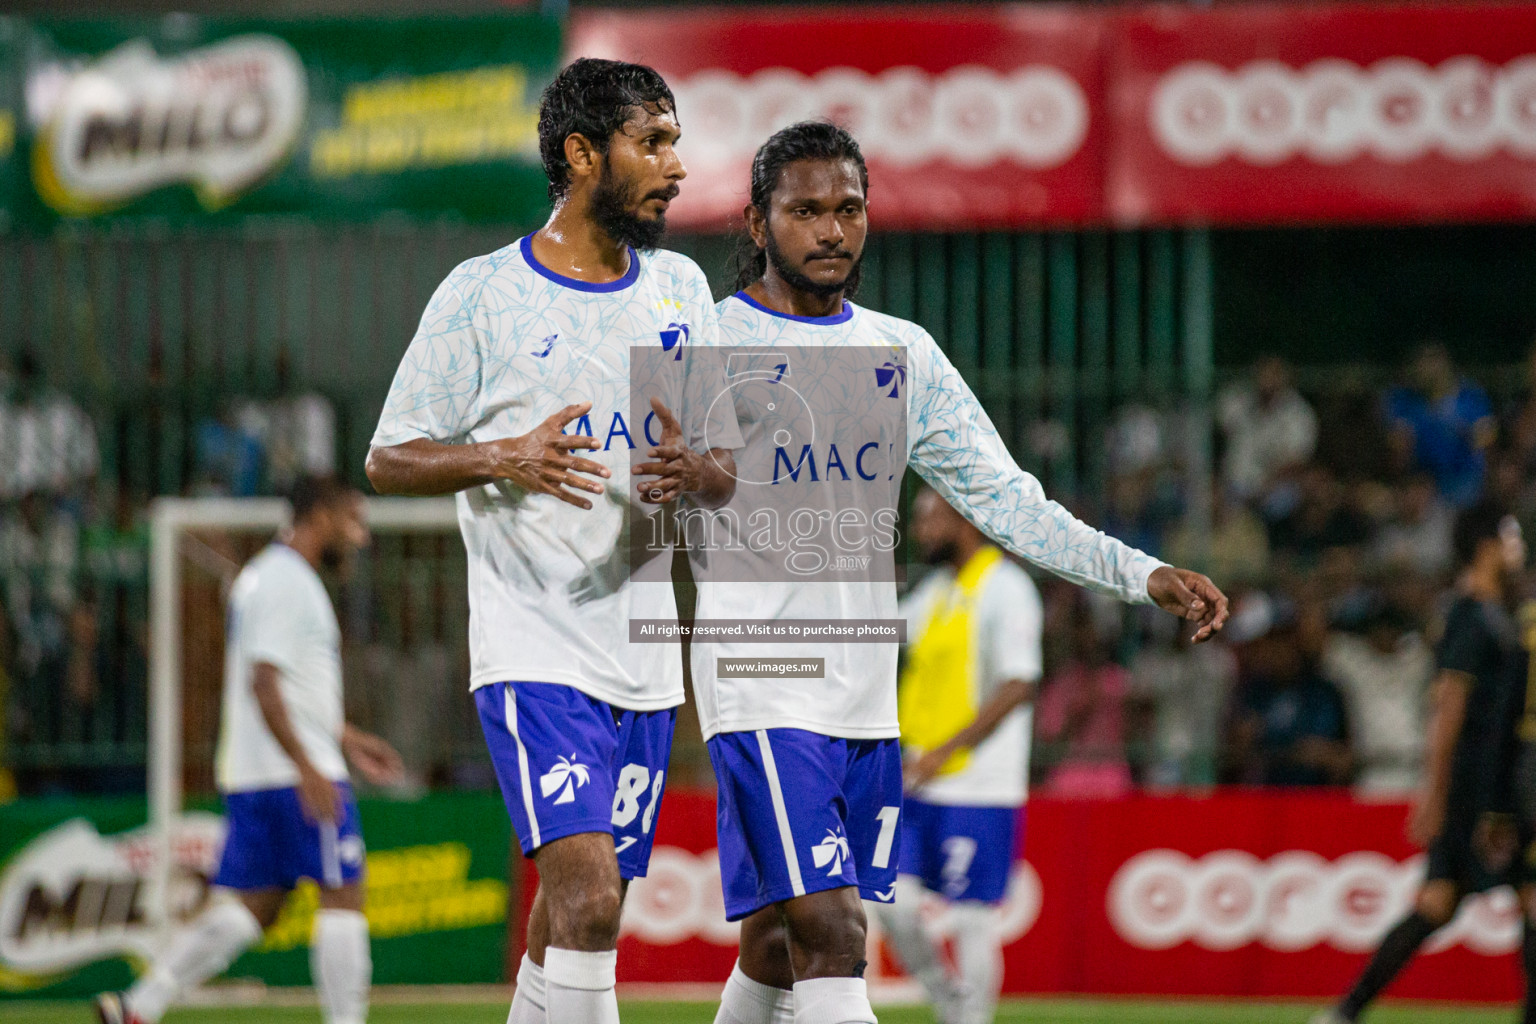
x=515, y=349
x=282, y=769
x=809, y=770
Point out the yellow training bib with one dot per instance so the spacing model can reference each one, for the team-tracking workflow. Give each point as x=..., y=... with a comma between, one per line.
x=937, y=695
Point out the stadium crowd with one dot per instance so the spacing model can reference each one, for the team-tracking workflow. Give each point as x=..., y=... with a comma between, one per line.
x=1330, y=525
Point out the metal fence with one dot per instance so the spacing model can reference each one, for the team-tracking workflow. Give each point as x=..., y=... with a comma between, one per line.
x=153, y=332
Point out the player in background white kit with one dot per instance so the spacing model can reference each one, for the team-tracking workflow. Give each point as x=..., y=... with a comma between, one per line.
x=515, y=348
x=282, y=769
x=967, y=689
x=809, y=771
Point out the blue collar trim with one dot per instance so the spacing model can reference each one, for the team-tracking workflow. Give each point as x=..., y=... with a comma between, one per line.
x=835, y=318
x=629, y=278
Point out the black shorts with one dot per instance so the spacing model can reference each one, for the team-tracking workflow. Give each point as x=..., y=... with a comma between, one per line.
x=1451, y=857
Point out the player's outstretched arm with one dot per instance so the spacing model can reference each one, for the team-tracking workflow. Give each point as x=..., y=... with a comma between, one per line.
x=540, y=461
x=956, y=449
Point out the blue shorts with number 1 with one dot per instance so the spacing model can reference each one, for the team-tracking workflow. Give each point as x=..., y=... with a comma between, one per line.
x=800, y=812
x=569, y=763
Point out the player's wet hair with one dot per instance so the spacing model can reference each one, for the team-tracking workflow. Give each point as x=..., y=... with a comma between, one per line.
x=805, y=140
x=310, y=493
x=1474, y=525
x=593, y=98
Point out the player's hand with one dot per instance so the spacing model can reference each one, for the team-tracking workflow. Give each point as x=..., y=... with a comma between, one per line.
x=922, y=771
x=1495, y=841
x=318, y=796
x=1189, y=595
x=541, y=461
x=677, y=469
x=371, y=755
x=1425, y=820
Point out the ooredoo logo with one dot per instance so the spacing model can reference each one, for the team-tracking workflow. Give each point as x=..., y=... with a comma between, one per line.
x=1331, y=111
x=970, y=116
x=1292, y=901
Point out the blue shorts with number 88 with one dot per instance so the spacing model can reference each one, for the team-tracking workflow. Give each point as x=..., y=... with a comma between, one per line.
x=569, y=763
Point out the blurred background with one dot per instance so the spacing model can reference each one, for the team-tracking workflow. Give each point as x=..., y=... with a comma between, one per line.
x=1250, y=286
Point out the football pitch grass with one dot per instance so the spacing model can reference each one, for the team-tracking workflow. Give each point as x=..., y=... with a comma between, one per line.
x=632, y=1012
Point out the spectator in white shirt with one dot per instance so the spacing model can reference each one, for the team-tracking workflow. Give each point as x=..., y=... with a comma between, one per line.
x=1269, y=429
x=1384, y=674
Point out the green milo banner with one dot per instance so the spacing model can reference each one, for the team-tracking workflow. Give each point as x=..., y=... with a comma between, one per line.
x=74, y=875
x=184, y=117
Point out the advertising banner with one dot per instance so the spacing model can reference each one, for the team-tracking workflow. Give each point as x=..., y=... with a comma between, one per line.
x=1240, y=894
x=188, y=117
x=74, y=877
x=968, y=116
x=1322, y=112
x=1037, y=115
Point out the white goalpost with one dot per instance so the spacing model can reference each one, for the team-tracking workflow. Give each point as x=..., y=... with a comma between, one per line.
x=171, y=521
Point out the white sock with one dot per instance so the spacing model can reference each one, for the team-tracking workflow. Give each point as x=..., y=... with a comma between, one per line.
x=979, y=956
x=341, y=965
x=833, y=1001
x=197, y=952
x=745, y=1001
x=579, y=986
x=530, y=998
x=918, y=955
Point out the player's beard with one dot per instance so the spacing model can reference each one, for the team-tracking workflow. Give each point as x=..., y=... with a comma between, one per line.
x=796, y=279
x=614, y=203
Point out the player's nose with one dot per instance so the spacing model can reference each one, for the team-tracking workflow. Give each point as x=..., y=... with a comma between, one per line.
x=829, y=229
x=675, y=170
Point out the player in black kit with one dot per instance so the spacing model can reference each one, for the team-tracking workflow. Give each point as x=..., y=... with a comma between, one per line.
x=1461, y=812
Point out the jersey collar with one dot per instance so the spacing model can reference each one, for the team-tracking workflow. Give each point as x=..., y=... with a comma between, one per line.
x=629, y=278
x=835, y=318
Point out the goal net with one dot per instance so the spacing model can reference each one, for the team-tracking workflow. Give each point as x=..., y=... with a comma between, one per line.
x=403, y=611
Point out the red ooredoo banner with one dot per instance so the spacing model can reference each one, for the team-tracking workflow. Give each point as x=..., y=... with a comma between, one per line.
x=1239, y=894
x=1323, y=112
x=1033, y=115
x=969, y=117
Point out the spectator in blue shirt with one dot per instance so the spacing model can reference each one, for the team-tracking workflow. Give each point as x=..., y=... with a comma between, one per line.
x=1289, y=726
x=1442, y=423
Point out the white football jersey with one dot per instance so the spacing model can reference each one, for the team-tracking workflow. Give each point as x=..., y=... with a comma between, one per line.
x=280, y=614
x=951, y=442
x=1007, y=623
x=504, y=344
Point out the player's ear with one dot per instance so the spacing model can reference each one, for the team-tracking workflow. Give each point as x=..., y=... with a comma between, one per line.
x=581, y=155
x=757, y=225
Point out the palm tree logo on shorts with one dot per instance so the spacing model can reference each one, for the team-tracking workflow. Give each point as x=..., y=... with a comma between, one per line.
x=571, y=774
x=831, y=850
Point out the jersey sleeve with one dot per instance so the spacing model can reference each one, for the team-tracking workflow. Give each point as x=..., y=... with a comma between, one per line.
x=954, y=446
x=1012, y=622
x=436, y=391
